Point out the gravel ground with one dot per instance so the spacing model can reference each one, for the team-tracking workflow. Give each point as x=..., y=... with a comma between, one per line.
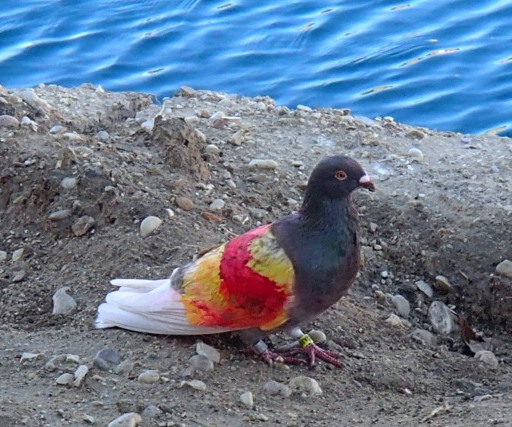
x=425, y=330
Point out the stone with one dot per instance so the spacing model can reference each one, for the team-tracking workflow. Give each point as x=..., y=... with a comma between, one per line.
x=17, y=254
x=416, y=154
x=217, y=205
x=150, y=376
x=200, y=362
x=151, y=412
x=106, y=359
x=247, y=399
x=402, y=305
x=80, y=374
x=149, y=225
x=424, y=337
x=18, y=276
x=305, y=384
x=442, y=284
x=394, y=320
x=317, y=336
x=425, y=288
x=125, y=368
x=195, y=384
x=487, y=357
x=30, y=357
x=209, y=216
x=208, y=351
x=57, y=129
x=130, y=419
x=62, y=302
x=7, y=121
x=185, y=203
x=3, y=256
x=65, y=379
x=60, y=215
x=83, y=225
x=211, y=149
x=276, y=388
x=505, y=268
x=441, y=318
x=238, y=138
x=263, y=164
x=69, y=182
x=103, y=135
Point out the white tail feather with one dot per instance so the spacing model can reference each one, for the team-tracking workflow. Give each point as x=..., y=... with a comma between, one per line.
x=150, y=306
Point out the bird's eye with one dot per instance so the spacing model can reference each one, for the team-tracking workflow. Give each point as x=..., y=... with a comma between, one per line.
x=340, y=175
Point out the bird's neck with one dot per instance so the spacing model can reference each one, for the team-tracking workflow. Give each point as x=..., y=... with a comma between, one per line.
x=328, y=213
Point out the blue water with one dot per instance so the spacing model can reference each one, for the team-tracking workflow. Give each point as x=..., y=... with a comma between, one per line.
x=445, y=64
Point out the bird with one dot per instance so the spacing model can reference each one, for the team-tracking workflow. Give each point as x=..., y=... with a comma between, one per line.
x=272, y=278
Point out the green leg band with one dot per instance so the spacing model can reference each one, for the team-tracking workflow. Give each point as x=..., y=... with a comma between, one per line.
x=305, y=340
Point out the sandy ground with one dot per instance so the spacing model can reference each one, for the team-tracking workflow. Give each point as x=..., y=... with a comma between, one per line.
x=84, y=167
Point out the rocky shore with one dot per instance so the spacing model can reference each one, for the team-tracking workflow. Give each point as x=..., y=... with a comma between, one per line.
x=97, y=185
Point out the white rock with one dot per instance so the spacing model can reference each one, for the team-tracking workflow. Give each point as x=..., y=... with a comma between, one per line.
x=103, y=135
x=217, y=205
x=148, y=125
x=263, y=164
x=80, y=374
x=505, y=268
x=305, y=384
x=443, y=284
x=65, y=379
x=150, y=376
x=394, y=320
x=425, y=288
x=57, y=129
x=219, y=115
x=72, y=358
x=402, y=305
x=317, y=336
x=208, y=351
x=211, y=149
x=17, y=254
x=60, y=215
x=68, y=183
x=3, y=256
x=195, y=384
x=274, y=388
x=201, y=363
x=425, y=337
x=149, y=225
x=441, y=318
x=247, y=399
x=62, y=302
x=130, y=419
x=416, y=154
x=487, y=357
x=301, y=107
x=29, y=357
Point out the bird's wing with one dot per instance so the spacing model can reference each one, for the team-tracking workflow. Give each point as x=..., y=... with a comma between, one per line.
x=245, y=283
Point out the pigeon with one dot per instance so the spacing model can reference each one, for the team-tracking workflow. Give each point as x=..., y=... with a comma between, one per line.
x=272, y=278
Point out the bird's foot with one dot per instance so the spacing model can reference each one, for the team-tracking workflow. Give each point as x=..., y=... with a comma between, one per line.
x=271, y=357
x=313, y=352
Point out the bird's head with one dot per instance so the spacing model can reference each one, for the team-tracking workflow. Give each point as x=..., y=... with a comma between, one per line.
x=337, y=176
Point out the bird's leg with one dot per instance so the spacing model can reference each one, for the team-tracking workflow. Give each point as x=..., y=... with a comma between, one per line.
x=270, y=357
x=312, y=351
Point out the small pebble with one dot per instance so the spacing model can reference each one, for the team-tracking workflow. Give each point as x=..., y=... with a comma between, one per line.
x=247, y=399
x=442, y=284
x=131, y=419
x=68, y=183
x=151, y=412
x=150, y=376
x=17, y=254
x=83, y=225
x=185, y=203
x=103, y=135
x=373, y=227
x=211, y=149
x=195, y=384
x=217, y=205
x=60, y=215
x=29, y=357
x=7, y=121
x=3, y=256
x=305, y=384
x=88, y=419
x=263, y=164
x=424, y=337
x=80, y=374
x=402, y=305
x=149, y=225
x=208, y=351
x=209, y=216
x=72, y=358
x=317, y=336
x=416, y=154
x=301, y=107
x=62, y=302
x=125, y=368
x=18, y=276
x=487, y=357
x=505, y=268
x=201, y=363
x=107, y=359
x=274, y=388
x=425, y=288
x=440, y=317
x=219, y=115
x=394, y=320
x=57, y=129
x=65, y=379
x=238, y=138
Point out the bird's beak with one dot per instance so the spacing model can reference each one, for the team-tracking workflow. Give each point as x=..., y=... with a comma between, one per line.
x=366, y=182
